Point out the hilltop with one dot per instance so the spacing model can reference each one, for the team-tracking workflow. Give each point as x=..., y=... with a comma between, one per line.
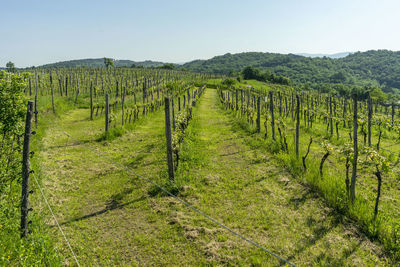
x=370, y=68
x=374, y=68
x=99, y=62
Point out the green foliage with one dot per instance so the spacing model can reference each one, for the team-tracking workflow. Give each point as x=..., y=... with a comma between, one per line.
x=112, y=134
x=377, y=159
x=378, y=95
x=12, y=110
x=11, y=103
x=338, y=77
x=371, y=68
x=10, y=67
x=99, y=62
x=108, y=62
x=229, y=82
x=251, y=73
x=168, y=66
x=37, y=250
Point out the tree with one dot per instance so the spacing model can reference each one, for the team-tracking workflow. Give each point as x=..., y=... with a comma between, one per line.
x=108, y=62
x=168, y=66
x=338, y=77
x=378, y=95
x=229, y=82
x=251, y=73
x=10, y=67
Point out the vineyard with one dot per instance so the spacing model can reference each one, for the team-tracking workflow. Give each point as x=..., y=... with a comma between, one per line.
x=145, y=167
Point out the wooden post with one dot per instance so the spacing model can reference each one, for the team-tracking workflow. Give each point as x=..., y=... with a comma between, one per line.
x=91, y=101
x=280, y=103
x=107, y=113
x=36, y=102
x=355, y=147
x=258, y=113
x=168, y=134
x=52, y=94
x=173, y=113
x=25, y=171
x=237, y=100
x=66, y=86
x=271, y=101
x=77, y=92
x=123, y=92
x=144, y=91
x=392, y=114
x=30, y=87
x=344, y=112
x=330, y=117
x=297, y=124
x=369, y=119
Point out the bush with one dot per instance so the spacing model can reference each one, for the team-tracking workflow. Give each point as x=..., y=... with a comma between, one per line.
x=229, y=82
x=12, y=110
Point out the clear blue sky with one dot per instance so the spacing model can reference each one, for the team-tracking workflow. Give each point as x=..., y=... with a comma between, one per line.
x=39, y=32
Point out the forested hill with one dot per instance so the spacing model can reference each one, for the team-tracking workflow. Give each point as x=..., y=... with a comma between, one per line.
x=381, y=67
x=99, y=62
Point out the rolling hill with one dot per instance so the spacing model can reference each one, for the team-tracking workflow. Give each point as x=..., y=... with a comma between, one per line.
x=336, y=55
x=370, y=68
x=99, y=62
x=374, y=68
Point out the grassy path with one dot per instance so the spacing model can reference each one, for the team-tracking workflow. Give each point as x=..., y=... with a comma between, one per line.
x=245, y=189
x=108, y=215
x=113, y=218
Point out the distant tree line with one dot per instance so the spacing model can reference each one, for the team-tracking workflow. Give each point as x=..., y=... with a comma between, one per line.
x=251, y=73
x=379, y=68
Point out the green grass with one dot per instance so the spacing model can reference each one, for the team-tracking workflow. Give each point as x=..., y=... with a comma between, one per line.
x=113, y=218
x=332, y=186
x=38, y=248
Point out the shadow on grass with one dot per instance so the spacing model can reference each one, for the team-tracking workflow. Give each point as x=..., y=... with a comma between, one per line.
x=113, y=204
x=324, y=259
x=298, y=201
x=73, y=144
x=319, y=231
x=169, y=186
x=136, y=161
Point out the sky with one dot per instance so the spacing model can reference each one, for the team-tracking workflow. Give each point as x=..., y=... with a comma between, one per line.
x=46, y=31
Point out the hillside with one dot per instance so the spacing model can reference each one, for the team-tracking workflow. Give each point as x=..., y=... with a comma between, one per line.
x=336, y=55
x=99, y=62
x=362, y=68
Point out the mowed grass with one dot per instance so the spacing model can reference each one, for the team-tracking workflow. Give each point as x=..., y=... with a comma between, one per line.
x=112, y=217
x=332, y=186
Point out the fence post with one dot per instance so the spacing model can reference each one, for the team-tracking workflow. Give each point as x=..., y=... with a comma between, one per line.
x=271, y=101
x=25, y=171
x=297, y=124
x=258, y=113
x=173, y=113
x=52, y=94
x=369, y=119
x=36, y=102
x=355, y=147
x=91, y=101
x=107, y=113
x=168, y=134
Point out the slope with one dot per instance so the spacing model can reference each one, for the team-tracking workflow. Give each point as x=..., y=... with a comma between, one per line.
x=113, y=218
